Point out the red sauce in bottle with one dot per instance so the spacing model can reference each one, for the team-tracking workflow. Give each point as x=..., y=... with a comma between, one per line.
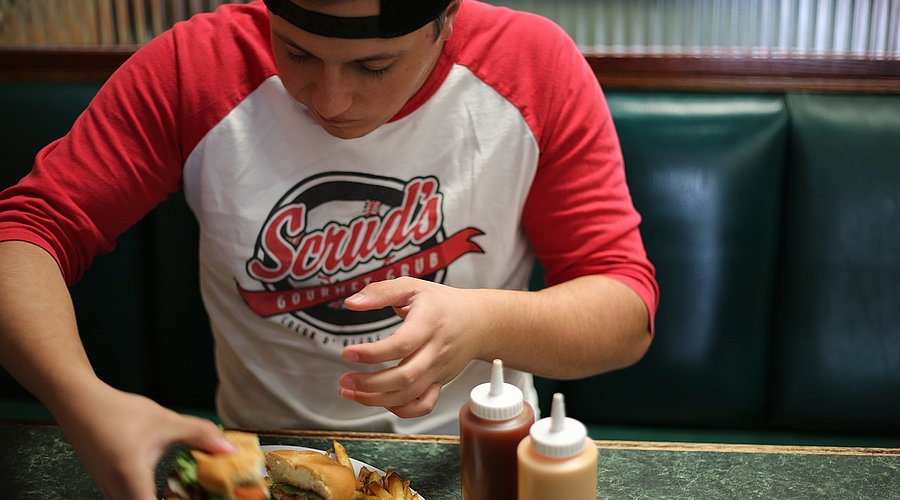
x=491, y=425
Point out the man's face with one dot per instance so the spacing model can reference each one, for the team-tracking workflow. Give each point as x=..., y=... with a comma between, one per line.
x=352, y=87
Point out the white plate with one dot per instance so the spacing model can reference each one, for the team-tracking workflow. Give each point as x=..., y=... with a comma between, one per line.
x=357, y=465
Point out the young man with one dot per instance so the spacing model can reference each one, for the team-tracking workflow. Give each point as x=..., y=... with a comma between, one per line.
x=372, y=182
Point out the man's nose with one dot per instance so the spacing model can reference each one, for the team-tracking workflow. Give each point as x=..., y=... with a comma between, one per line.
x=332, y=94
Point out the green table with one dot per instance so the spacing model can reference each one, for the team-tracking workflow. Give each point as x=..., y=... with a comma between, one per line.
x=38, y=463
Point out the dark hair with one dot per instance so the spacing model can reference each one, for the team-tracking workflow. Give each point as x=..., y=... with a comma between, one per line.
x=439, y=24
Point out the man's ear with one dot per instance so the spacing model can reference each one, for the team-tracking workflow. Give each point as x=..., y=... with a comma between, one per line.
x=452, y=10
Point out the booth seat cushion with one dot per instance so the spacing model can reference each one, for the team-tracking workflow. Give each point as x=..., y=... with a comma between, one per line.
x=837, y=330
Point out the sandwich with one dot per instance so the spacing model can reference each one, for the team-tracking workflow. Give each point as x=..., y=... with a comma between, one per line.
x=234, y=476
x=314, y=475
x=308, y=475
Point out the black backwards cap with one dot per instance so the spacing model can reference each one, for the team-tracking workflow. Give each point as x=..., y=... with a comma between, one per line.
x=395, y=18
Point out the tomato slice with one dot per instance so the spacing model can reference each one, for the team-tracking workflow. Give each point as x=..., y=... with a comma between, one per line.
x=255, y=492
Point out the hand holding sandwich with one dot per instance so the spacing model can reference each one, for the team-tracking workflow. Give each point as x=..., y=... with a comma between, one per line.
x=198, y=475
x=121, y=437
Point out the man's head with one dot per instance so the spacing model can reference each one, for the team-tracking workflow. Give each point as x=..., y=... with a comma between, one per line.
x=355, y=63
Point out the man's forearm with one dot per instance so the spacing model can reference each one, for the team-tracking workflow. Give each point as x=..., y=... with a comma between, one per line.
x=39, y=343
x=575, y=329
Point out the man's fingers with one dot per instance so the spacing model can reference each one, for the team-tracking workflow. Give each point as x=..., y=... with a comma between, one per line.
x=420, y=406
x=406, y=340
x=394, y=293
x=202, y=434
x=400, y=403
x=382, y=399
x=396, y=386
x=403, y=377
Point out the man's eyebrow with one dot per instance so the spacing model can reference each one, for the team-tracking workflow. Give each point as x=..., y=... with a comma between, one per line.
x=287, y=41
x=374, y=57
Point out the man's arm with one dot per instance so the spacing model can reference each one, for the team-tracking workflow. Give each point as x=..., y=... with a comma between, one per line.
x=579, y=328
x=119, y=436
x=41, y=347
x=582, y=327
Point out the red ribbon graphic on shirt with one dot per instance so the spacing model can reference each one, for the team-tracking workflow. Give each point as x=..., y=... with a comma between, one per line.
x=422, y=263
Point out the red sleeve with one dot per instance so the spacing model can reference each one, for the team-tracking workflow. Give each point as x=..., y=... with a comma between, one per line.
x=579, y=215
x=125, y=153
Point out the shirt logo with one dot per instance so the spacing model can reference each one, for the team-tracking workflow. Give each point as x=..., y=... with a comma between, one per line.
x=334, y=233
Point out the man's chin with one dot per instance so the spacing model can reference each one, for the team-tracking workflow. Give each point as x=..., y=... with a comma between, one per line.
x=347, y=132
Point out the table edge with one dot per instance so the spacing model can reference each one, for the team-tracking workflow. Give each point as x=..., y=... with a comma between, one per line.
x=602, y=444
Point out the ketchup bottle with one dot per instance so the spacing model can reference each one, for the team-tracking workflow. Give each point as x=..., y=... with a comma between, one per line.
x=491, y=424
x=557, y=459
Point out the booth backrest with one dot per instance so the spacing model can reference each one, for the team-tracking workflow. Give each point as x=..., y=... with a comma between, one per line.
x=836, y=333
x=706, y=173
x=773, y=221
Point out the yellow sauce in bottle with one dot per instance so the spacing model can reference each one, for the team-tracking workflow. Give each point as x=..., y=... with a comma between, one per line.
x=557, y=460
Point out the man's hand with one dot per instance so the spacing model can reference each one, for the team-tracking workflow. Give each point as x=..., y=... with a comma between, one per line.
x=438, y=338
x=120, y=438
x=584, y=326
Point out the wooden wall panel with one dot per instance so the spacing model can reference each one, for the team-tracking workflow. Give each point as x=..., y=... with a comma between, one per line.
x=727, y=74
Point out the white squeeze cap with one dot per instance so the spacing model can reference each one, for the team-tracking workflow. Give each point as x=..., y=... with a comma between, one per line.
x=496, y=400
x=558, y=436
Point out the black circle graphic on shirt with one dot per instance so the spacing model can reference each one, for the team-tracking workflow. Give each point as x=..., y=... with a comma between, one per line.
x=317, y=193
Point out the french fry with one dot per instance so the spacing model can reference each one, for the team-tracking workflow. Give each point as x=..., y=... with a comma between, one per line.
x=394, y=485
x=379, y=492
x=371, y=485
x=340, y=454
x=362, y=479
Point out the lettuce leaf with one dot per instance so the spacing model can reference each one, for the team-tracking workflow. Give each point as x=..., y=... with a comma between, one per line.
x=186, y=468
x=293, y=490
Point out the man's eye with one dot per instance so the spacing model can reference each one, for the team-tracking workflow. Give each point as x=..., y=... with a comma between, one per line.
x=376, y=72
x=294, y=56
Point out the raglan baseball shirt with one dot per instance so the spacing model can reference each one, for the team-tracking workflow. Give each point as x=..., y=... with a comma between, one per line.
x=507, y=152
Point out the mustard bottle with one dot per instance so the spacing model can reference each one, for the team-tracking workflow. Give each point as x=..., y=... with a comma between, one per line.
x=557, y=459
